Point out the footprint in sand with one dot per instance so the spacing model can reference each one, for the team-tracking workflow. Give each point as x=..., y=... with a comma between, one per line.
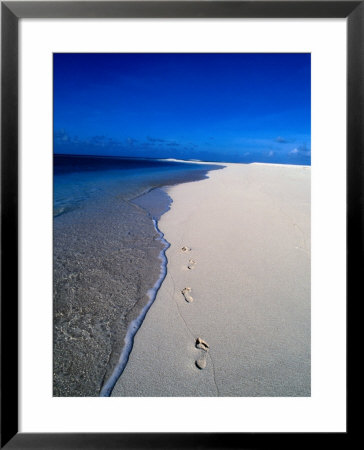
x=201, y=363
x=203, y=345
x=185, y=249
x=191, y=264
x=186, y=293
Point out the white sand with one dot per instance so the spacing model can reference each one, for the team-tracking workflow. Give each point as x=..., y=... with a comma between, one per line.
x=249, y=230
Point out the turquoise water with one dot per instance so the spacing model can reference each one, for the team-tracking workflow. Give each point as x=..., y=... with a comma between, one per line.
x=81, y=179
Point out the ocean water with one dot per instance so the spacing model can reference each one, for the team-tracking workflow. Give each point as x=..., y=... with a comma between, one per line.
x=108, y=261
x=81, y=179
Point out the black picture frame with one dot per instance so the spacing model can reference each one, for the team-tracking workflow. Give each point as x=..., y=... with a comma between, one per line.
x=11, y=12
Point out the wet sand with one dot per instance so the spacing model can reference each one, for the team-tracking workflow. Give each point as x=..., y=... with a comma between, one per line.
x=247, y=267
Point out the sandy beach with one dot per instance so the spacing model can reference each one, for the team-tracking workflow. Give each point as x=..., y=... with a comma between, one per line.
x=247, y=229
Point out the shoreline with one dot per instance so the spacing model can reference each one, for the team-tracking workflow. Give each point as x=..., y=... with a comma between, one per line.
x=155, y=213
x=106, y=263
x=135, y=325
x=248, y=229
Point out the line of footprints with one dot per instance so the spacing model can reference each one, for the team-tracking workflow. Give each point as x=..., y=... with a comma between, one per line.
x=200, y=343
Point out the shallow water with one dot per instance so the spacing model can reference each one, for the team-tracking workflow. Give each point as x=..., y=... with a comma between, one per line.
x=107, y=259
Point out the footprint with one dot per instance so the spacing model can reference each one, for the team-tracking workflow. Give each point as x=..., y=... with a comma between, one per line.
x=201, y=363
x=185, y=249
x=203, y=345
x=186, y=293
x=191, y=264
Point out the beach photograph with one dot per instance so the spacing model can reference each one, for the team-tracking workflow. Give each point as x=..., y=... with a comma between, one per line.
x=181, y=225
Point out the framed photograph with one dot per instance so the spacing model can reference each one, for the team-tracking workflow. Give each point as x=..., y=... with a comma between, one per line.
x=181, y=206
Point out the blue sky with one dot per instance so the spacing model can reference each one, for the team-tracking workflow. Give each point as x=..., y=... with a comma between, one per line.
x=216, y=107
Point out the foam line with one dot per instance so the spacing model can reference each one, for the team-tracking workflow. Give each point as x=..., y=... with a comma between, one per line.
x=136, y=323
